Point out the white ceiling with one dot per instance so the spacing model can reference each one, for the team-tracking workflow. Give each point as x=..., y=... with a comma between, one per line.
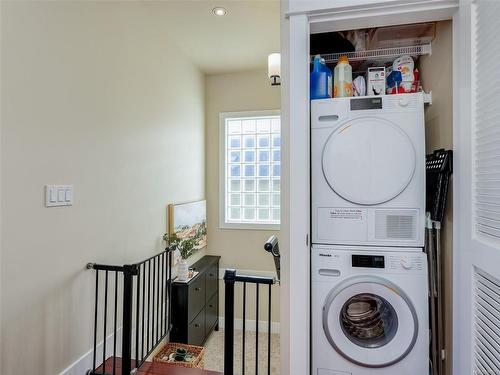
x=238, y=41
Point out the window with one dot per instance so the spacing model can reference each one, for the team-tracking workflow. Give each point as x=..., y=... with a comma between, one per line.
x=250, y=170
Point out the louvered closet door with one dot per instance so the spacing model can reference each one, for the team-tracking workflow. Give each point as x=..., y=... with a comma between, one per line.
x=477, y=210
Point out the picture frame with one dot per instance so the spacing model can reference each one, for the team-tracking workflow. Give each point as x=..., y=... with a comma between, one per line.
x=189, y=220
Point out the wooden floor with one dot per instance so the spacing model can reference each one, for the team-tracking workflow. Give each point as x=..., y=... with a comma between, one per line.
x=155, y=368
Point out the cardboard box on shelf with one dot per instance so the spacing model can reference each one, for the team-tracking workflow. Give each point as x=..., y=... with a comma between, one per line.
x=375, y=81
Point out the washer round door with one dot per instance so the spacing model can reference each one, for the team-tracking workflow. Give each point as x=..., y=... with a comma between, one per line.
x=368, y=160
x=370, y=321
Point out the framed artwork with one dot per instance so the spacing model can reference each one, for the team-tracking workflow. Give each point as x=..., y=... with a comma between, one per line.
x=189, y=220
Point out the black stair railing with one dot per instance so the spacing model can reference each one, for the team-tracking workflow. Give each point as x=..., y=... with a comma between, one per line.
x=230, y=279
x=145, y=305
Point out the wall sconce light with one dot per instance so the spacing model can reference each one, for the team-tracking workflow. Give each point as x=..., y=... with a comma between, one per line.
x=274, y=68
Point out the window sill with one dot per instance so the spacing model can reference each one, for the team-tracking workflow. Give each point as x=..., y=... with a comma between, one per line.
x=247, y=226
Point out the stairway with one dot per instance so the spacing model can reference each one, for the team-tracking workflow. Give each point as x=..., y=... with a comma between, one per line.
x=155, y=368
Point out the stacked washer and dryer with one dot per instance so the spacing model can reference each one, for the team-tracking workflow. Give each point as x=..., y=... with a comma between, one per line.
x=368, y=269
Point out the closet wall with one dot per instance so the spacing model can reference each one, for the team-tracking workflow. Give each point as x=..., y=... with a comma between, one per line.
x=437, y=75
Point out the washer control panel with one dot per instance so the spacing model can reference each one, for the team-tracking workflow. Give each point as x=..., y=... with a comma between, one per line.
x=405, y=262
x=368, y=261
x=331, y=262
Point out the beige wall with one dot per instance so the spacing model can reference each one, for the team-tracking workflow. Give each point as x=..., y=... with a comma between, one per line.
x=436, y=71
x=93, y=94
x=240, y=249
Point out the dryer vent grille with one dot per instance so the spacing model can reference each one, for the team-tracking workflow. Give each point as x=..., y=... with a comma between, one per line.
x=486, y=323
x=396, y=224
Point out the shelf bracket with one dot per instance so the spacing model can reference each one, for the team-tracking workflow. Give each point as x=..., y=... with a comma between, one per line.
x=428, y=98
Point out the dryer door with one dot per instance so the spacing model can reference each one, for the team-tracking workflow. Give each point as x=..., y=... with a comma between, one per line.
x=370, y=321
x=368, y=160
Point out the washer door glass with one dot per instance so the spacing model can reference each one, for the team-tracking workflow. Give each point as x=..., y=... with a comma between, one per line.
x=369, y=321
x=368, y=160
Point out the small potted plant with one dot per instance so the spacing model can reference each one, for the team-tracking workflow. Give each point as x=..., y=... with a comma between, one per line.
x=185, y=246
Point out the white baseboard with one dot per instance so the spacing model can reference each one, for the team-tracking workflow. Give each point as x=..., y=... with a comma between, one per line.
x=84, y=363
x=250, y=325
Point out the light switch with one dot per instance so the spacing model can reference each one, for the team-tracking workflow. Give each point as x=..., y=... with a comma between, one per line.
x=52, y=196
x=68, y=195
x=58, y=195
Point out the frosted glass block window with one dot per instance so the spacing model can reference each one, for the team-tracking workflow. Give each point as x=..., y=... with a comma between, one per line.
x=263, y=170
x=249, y=185
x=276, y=155
x=264, y=185
x=250, y=170
x=264, y=155
x=234, y=199
x=263, y=141
x=234, y=156
x=250, y=156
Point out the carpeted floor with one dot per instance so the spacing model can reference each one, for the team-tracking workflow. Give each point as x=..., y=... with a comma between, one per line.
x=214, y=352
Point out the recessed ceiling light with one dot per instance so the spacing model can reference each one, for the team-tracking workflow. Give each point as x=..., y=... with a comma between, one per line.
x=219, y=11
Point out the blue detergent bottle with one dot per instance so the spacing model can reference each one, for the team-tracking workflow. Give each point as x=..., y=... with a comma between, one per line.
x=321, y=80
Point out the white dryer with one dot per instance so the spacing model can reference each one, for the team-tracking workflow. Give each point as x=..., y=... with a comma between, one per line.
x=368, y=170
x=369, y=311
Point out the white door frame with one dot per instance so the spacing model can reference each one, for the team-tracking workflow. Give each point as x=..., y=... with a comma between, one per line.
x=295, y=220
x=298, y=19
x=462, y=115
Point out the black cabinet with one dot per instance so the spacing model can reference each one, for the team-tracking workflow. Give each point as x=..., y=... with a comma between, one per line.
x=195, y=304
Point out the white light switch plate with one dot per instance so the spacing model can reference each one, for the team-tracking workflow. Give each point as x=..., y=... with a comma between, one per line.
x=58, y=195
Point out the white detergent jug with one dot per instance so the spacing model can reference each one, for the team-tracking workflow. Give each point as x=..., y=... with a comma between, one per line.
x=405, y=65
x=342, y=78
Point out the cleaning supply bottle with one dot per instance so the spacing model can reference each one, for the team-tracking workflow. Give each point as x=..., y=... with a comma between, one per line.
x=321, y=80
x=342, y=73
x=406, y=66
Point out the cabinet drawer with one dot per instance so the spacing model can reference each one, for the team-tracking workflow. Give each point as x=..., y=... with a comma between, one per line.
x=212, y=275
x=196, y=330
x=196, y=296
x=211, y=314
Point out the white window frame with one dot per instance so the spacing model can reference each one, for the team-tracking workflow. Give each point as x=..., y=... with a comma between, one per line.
x=222, y=170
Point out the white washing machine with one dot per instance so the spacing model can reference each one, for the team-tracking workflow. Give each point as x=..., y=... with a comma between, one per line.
x=369, y=311
x=368, y=170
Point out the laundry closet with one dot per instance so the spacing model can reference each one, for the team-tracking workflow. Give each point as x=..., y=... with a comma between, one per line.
x=372, y=263
x=447, y=47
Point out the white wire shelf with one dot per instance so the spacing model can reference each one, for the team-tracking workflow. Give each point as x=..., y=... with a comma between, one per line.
x=380, y=54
